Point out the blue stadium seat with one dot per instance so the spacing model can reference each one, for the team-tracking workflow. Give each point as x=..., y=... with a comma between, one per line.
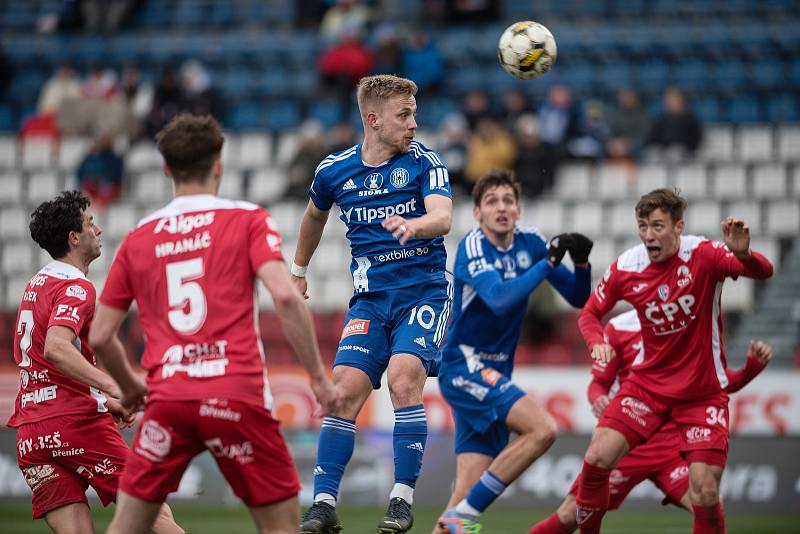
x=744, y=109
x=246, y=116
x=91, y=50
x=730, y=75
x=783, y=108
x=8, y=119
x=653, y=76
x=615, y=76
x=691, y=75
x=283, y=115
x=190, y=14
x=767, y=74
x=273, y=82
x=328, y=112
x=237, y=84
x=707, y=109
x=303, y=83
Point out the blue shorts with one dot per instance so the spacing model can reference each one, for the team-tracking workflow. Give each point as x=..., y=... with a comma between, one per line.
x=408, y=320
x=480, y=402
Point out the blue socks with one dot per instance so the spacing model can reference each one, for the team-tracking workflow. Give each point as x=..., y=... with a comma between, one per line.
x=410, y=435
x=334, y=449
x=483, y=493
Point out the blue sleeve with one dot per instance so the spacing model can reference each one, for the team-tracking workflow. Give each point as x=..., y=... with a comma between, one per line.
x=434, y=179
x=574, y=287
x=500, y=295
x=319, y=192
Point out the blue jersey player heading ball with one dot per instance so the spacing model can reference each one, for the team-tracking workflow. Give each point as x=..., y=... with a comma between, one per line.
x=394, y=196
x=497, y=267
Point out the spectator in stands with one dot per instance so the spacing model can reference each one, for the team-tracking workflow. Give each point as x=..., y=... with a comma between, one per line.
x=515, y=104
x=343, y=64
x=422, y=62
x=63, y=86
x=166, y=102
x=677, y=127
x=137, y=95
x=491, y=148
x=453, y=149
x=559, y=121
x=388, y=52
x=344, y=137
x=100, y=83
x=344, y=18
x=476, y=107
x=105, y=16
x=100, y=110
x=100, y=172
x=591, y=141
x=534, y=167
x=628, y=125
x=311, y=150
x=199, y=96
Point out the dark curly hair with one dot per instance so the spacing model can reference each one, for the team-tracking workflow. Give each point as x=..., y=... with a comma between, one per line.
x=53, y=220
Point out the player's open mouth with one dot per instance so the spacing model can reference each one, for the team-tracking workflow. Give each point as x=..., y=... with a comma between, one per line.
x=654, y=249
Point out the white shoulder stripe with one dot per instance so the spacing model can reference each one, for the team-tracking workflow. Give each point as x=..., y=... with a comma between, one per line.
x=420, y=150
x=473, y=244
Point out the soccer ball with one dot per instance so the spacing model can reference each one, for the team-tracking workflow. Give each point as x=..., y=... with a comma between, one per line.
x=526, y=50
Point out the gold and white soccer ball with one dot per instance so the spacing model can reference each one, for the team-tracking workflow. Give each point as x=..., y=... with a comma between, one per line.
x=526, y=50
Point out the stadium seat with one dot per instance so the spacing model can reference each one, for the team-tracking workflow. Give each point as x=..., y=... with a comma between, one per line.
x=573, y=180
x=15, y=285
x=37, y=153
x=744, y=109
x=17, y=258
x=10, y=188
x=717, y=144
x=288, y=142
x=789, y=143
x=783, y=108
x=547, y=216
x=769, y=247
x=143, y=156
x=267, y=185
x=232, y=185
x=691, y=180
x=755, y=143
x=611, y=182
x=13, y=223
x=71, y=151
x=620, y=220
x=121, y=218
x=43, y=186
x=783, y=218
x=651, y=176
x=287, y=215
x=749, y=211
x=463, y=220
x=703, y=218
x=730, y=181
x=151, y=189
x=586, y=218
x=769, y=180
x=8, y=152
x=283, y=116
x=737, y=295
x=255, y=150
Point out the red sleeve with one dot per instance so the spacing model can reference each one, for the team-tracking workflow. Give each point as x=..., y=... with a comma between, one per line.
x=727, y=265
x=741, y=377
x=264, y=239
x=73, y=305
x=604, y=374
x=118, y=291
x=600, y=302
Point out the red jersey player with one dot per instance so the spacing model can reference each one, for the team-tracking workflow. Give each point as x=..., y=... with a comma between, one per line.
x=658, y=460
x=66, y=436
x=674, y=283
x=192, y=267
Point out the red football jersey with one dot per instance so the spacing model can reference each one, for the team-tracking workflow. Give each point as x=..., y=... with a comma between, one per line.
x=678, y=305
x=191, y=267
x=623, y=332
x=58, y=295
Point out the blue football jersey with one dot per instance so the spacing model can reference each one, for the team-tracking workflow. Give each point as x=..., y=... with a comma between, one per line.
x=492, y=286
x=367, y=195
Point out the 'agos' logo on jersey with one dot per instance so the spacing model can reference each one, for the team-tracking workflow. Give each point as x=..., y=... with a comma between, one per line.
x=183, y=224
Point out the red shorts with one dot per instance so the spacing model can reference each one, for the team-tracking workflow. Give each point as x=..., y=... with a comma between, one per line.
x=657, y=460
x=702, y=423
x=243, y=439
x=61, y=457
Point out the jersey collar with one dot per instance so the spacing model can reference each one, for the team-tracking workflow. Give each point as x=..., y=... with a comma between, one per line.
x=59, y=269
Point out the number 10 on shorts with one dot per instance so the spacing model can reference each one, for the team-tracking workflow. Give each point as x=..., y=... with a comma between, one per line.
x=423, y=315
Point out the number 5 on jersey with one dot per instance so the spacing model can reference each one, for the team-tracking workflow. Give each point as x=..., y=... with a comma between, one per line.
x=182, y=290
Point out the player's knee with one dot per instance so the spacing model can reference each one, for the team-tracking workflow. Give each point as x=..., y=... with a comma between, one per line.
x=547, y=433
x=705, y=492
x=598, y=457
x=405, y=392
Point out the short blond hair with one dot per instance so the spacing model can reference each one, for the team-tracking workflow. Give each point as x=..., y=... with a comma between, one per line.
x=377, y=90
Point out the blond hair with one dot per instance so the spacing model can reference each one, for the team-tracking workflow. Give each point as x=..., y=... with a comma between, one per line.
x=374, y=91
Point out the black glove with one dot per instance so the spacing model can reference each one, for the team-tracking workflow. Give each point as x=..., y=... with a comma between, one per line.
x=581, y=248
x=558, y=246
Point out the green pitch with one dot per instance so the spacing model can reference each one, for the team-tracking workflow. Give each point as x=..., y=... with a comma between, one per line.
x=15, y=519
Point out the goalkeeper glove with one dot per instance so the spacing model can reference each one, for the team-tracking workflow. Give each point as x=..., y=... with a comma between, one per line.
x=581, y=248
x=557, y=247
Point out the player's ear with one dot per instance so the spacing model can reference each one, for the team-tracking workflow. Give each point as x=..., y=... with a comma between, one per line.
x=167, y=172
x=679, y=226
x=476, y=213
x=373, y=121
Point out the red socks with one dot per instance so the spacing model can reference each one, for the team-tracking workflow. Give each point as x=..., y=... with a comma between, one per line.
x=708, y=519
x=592, y=498
x=551, y=525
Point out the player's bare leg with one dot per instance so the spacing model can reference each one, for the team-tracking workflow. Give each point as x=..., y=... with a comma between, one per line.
x=686, y=501
x=133, y=516
x=165, y=522
x=469, y=468
x=704, y=480
x=72, y=518
x=536, y=431
x=277, y=518
x=607, y=448
x=406, y=376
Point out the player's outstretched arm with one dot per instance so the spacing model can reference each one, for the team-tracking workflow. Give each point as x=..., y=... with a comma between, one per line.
x=436, y=222
x=105, y=343
x=311, y=228
x=299, y=330
x=60, y=351
x=736, y=235
x=601, y=301
x=759, y=355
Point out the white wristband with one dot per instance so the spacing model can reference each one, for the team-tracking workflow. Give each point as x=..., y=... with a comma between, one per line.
x=299, y=272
